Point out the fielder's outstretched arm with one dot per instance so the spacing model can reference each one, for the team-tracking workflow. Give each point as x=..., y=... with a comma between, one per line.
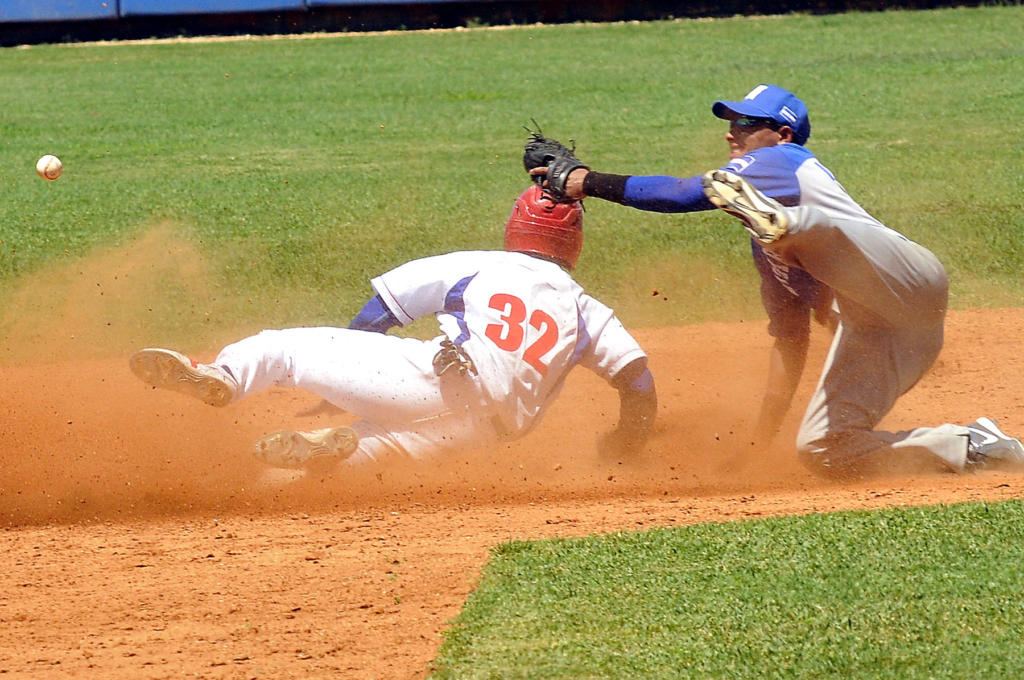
x=656, y=193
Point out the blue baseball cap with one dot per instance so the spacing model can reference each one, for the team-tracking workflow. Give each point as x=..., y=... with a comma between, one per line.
x=771, y=101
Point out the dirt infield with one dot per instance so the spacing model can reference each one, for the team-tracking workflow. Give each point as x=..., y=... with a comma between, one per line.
x=141, y=540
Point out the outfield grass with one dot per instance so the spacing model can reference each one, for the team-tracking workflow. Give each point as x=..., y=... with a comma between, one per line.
x=902, y=593
x=297, y=169
x=279, y=175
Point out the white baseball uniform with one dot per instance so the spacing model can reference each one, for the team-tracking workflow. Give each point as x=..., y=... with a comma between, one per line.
x=523, y=321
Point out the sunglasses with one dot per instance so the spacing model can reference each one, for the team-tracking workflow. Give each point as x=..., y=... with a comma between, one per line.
x=748, y=122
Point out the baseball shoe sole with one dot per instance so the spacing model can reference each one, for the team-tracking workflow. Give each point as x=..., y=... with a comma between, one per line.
x=173, y=371
x=987, y=444
x=763, y=217
x=296, y=448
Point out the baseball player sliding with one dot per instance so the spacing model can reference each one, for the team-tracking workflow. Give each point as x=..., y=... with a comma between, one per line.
x=818, y=252
x=513, y=323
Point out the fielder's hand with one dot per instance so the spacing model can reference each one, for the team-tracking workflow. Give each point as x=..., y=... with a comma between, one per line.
x=549, y=164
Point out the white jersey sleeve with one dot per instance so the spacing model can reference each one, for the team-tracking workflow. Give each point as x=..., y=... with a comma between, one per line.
x=609, y=347
x=420, y=287
x=524, y=322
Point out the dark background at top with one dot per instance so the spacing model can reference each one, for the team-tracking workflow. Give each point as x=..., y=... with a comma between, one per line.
x=423, y=16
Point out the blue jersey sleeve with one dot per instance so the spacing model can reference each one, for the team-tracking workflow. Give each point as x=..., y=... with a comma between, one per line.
x=375, y=317
x=772, y=169
x=659, y=193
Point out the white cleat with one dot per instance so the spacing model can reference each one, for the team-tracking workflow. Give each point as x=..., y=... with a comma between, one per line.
x=296, y=448
x=174, y=371
x=764, y=217
x=987, y=445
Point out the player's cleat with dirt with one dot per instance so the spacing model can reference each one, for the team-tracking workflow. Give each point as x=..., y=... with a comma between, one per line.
x=174, y=371
x=764, y=217
x=297, y=448
x=988, y=445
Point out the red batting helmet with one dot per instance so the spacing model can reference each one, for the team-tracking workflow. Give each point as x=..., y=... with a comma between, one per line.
x=541, y=226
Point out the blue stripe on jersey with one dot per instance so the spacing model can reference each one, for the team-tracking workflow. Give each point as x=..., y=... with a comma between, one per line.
x=583, y=338
x=455, y=304
x=374, y=317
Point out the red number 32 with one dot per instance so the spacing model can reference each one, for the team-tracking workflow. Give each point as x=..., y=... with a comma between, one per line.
x=510, y=334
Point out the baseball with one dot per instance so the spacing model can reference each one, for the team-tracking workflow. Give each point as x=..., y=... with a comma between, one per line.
x=49, y=167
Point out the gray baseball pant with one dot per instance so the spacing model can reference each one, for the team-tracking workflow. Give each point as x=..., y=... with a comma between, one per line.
x=892, y=295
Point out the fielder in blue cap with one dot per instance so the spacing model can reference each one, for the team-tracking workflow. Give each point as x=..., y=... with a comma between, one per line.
x=769, y=102
x=822, y=256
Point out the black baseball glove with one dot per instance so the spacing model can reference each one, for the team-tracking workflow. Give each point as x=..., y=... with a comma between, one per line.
x=560, y=160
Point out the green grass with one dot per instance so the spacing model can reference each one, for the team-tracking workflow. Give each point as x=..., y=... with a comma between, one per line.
x=901, y=593
x=216, y=188
x=297, y=169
